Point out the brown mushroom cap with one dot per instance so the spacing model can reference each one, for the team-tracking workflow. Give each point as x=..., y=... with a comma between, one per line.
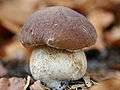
x=58, y=27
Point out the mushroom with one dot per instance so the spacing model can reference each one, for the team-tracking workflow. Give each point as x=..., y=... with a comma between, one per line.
x=58, y=35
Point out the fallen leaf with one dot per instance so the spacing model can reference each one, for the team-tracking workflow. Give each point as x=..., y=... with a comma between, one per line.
x=38, y=86
x=13, y=83
x=16, y=83
x=109, y=84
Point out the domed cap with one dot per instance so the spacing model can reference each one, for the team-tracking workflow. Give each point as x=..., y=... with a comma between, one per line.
x=58, y=27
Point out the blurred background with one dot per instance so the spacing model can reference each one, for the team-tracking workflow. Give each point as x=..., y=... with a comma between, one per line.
x=103, y=58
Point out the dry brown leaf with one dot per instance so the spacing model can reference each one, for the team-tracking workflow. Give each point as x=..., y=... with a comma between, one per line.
x=4, y=83
x=14, y=13
x=100, y=19
x=113, y=37
x=15, y=50
x=12, y=83
x=17, y=10
x=16, y=83
x=11, y=26
x=109, y=84
x=38, y=86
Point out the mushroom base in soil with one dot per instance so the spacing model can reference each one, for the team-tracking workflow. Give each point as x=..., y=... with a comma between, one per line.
x=52, y=66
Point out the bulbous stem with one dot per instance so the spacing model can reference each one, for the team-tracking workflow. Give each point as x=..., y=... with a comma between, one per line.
x=51, y=65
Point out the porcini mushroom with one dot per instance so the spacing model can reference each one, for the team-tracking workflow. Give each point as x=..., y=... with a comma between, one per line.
x=58, y=35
